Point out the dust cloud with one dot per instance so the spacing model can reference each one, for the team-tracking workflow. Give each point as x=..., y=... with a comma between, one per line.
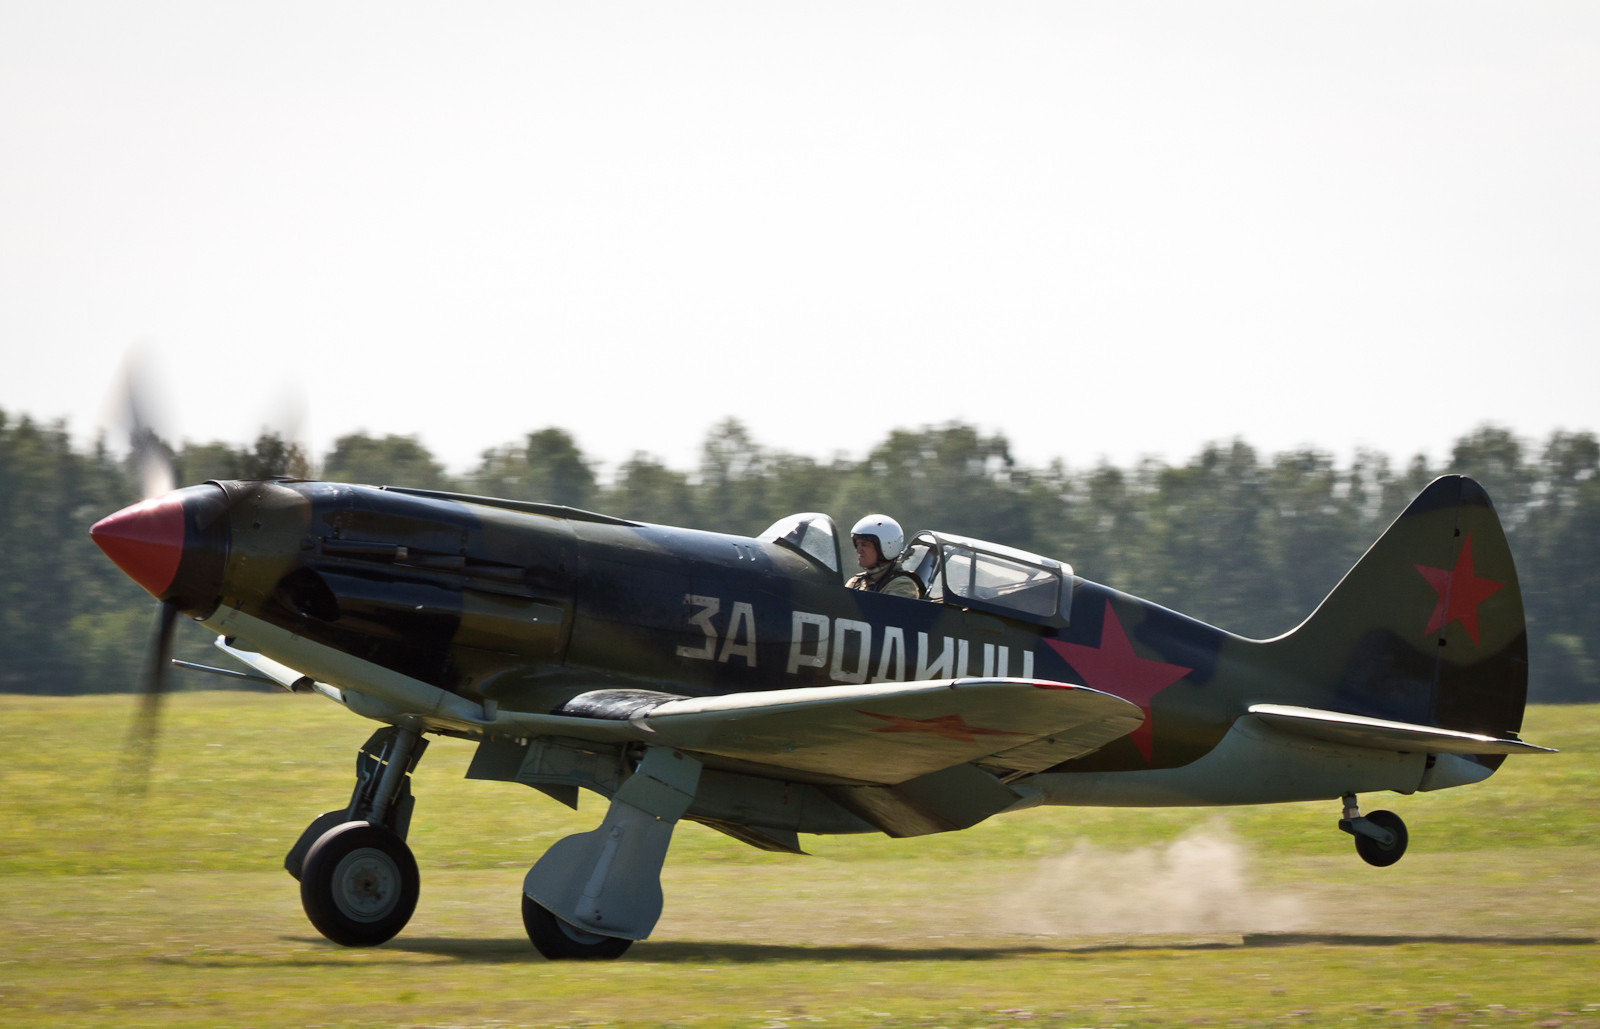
x=1199, y=883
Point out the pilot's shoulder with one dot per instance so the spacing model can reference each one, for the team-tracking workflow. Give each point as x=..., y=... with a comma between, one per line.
x=902, y=586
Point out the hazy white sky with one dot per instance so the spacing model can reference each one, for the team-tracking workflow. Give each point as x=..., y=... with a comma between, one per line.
x=1105, y=229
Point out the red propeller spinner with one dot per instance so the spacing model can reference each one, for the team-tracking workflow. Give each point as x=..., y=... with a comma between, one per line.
x=145, y=541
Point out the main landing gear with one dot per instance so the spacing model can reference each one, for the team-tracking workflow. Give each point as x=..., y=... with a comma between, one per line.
x=589, y=897
x=594, y=893
x=1380, y=837
x=358, y=881
x=359, y=884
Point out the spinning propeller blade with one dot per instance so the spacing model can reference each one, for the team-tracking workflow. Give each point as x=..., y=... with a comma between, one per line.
x=152, y=685
x=155, y=473
x=137, y=413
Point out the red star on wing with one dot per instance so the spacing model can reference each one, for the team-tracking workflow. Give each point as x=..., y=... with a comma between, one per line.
x=1116, y=669
x=951, y=727
x=1460, y=592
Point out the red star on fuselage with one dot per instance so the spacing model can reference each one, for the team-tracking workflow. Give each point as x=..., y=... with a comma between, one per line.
x=1460, y=592
x=1114, y=668
x=951, y=727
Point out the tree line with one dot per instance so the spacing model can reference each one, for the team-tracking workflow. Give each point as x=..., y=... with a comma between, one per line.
x=1247, y=541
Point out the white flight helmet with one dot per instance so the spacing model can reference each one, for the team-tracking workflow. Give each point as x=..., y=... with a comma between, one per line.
x=886, y=531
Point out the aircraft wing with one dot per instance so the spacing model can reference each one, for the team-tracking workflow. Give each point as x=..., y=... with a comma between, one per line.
x=878, y=734
x=887, y=733
x=1379, y=733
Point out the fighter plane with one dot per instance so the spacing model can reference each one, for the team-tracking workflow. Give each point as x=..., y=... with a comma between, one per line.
x=735, y=681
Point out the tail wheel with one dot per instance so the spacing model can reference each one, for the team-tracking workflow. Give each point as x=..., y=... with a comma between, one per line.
x=1379, y=854
x=559, y=940
x=359, y=884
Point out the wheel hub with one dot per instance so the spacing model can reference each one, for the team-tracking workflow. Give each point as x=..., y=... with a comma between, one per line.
x=366, y=884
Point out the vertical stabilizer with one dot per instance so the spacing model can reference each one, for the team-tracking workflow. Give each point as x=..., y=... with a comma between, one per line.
x=1428, y=627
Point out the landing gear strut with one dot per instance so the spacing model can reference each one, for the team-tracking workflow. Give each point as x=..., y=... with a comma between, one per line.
x=358, y=880
x=1381, y=837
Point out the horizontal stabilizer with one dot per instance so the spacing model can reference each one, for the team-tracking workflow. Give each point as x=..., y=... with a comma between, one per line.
x=1381, y=734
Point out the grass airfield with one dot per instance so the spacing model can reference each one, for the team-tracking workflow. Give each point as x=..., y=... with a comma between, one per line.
x=173, y=909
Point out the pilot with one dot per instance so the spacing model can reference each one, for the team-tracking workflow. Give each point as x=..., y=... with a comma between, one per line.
x=878, y=541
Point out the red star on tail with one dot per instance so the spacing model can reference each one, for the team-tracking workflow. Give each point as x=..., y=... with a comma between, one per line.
x=1116, y=669
x=1460, y=592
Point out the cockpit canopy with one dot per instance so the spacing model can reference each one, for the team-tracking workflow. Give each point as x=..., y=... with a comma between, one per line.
x=955, y=570
x=811, y=533
x=985, y=576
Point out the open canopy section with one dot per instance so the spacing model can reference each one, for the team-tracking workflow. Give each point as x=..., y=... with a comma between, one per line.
x=985, y=576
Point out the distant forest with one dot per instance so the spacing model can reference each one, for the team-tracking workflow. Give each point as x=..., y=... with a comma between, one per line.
x=1247, y=541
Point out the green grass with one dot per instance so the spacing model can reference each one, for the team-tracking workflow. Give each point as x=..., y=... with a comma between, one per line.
x=172, y=909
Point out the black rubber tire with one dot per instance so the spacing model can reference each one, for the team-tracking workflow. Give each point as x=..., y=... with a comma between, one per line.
x=359, y=884
x=560, y=941
x=1375, y=853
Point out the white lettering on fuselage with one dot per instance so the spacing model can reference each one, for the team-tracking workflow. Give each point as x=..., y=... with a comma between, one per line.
x=846, y=647
x=709, y=606
x=741, y=638
x=743, y=617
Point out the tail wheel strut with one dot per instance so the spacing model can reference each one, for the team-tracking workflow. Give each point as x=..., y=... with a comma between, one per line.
x=1381, y=837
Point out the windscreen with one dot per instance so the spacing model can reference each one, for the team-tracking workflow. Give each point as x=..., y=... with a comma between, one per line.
x=810, y=533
